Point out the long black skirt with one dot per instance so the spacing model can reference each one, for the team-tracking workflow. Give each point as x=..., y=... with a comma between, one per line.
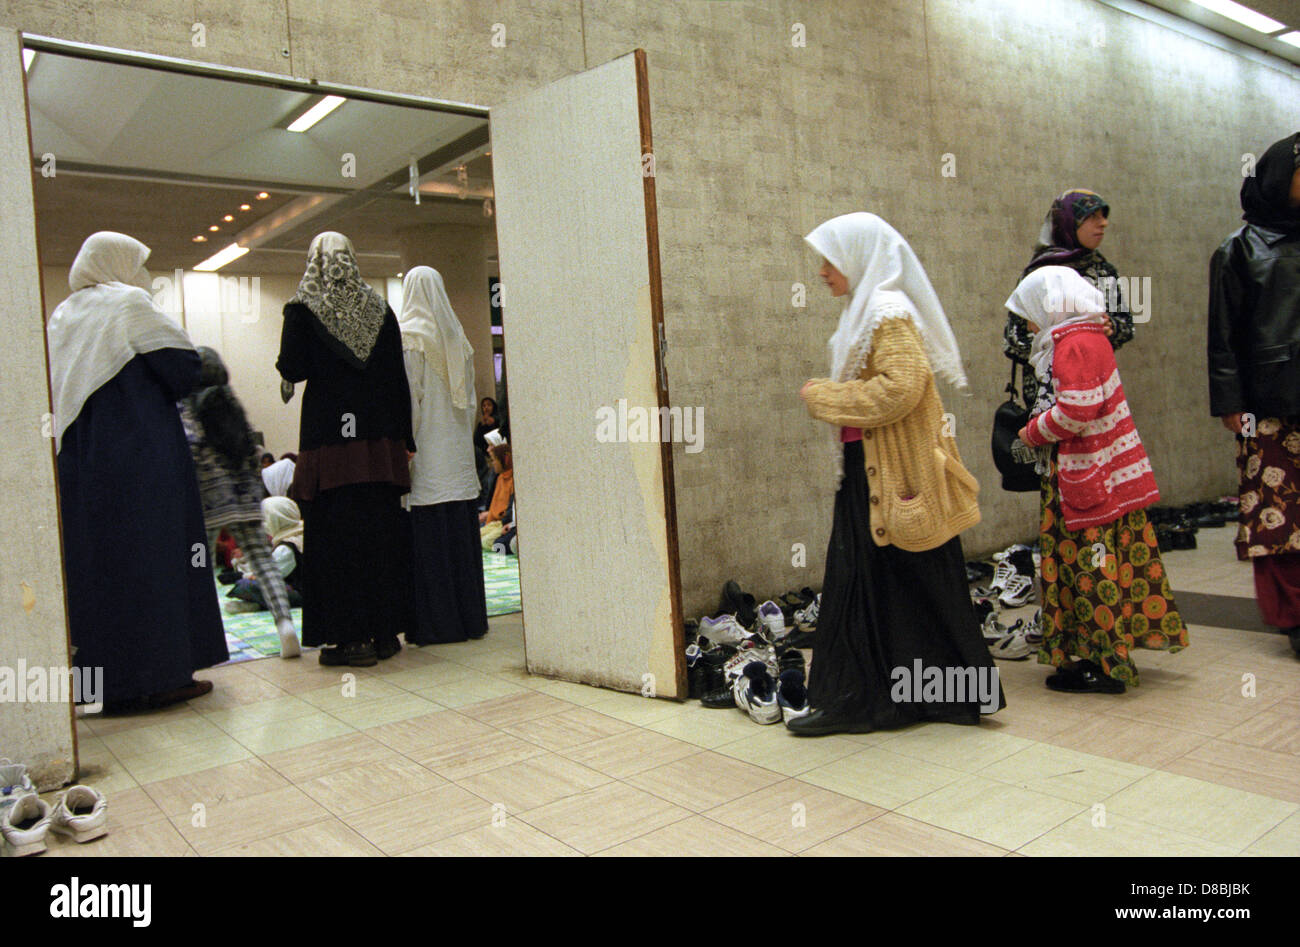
x=356, y=573
x=883, y=610
x=450, y=598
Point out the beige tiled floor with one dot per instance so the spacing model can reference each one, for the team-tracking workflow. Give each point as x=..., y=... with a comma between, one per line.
x=455, y=750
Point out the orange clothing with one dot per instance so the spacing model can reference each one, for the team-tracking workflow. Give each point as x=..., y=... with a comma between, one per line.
x=505, y=489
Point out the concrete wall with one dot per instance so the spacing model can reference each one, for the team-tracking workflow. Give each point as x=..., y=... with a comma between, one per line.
x=758, y=140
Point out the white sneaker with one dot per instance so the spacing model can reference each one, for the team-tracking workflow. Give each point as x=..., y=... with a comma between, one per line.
x=756, y=694
x=1002, y=572
x=773, y=619
x=1018, y=590
x=81, y=813
x=25, y=824
x=724, y=630
x=1013, y=647
x=289, y=647
x=792, y=696
x=805, y=619
x=14, y=783
x=735, y=665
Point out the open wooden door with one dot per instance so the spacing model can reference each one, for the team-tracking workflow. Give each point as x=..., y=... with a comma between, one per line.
x=583, y=321
x=36, y=722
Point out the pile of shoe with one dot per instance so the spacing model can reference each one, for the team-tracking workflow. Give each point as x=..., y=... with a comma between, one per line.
x=26, y=819
x=1176, y=526
x=749, y=658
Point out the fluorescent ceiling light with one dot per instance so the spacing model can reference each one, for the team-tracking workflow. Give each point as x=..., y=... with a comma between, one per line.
x=221, y=258
x=28, y=56
x=1243, y=15
x=322, y=108
x=1293, y=37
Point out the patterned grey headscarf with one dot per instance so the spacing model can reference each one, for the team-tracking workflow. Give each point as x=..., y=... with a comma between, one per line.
x=350, y=311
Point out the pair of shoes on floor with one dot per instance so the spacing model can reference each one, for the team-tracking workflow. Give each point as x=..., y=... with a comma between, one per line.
x=1021, y=640
x=357, y=654
x=1083, y=677
x=80, y=813
x=770, y=700
x=1013, y=578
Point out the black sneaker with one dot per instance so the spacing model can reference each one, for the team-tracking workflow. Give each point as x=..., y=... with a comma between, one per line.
x=799, y=639
x=738, y=603
x=358, y=654
x=385, y=648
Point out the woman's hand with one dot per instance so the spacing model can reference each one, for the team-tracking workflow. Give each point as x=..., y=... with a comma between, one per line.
x=1107, y=326
x=803, y=392
x=1023, y=434
x=482, y=519
x=1232, y=422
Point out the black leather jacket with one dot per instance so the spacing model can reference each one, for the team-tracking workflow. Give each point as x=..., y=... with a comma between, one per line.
x=1254, y=338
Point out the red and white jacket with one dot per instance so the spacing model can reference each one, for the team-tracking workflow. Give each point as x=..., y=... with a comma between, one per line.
x=1102, y=470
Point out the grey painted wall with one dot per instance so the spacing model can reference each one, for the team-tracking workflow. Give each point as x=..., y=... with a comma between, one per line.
x=758, y=140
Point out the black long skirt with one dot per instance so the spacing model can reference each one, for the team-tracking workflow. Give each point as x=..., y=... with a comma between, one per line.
x=450, y=598
x=356, y=582
x=884, y=609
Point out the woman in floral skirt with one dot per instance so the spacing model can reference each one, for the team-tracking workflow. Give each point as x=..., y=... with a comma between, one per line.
x=1105, y=591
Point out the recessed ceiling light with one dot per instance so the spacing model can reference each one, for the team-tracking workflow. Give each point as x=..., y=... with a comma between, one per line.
x=1293, y=37
x=221, y=258
x=228, y=218
x=214, y=228
x=200, y=239
x=1242, y=14
x=263, y=196
x=314, y=114
x=245, y=206
x=28, y=56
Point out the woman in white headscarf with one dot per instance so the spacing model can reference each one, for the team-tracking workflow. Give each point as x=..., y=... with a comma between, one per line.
x=355, y=442
x=895, y=602
x=450, y=598
x=141, y=598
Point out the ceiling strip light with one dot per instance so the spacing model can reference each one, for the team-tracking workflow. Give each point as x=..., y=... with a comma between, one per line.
x=1241, y=14
x=221, y=258
x=322, y=108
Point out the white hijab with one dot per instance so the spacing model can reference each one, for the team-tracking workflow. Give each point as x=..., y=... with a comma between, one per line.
x=429, y=324
x=278, y=477
x=283, y=521
x=1051, y=297
x=108, y=320
x=885, y=280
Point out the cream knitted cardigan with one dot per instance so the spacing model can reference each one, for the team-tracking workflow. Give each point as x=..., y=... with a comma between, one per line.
x=919, y=493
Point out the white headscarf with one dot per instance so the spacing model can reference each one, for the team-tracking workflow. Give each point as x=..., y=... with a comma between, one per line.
x=1051, y=297
x=429, y=324
x=108, y=320
x=885, y=280
x=278, y=477
x=283, y=521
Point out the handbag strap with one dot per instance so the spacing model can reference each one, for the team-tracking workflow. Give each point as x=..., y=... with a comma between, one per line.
x=1011, y=388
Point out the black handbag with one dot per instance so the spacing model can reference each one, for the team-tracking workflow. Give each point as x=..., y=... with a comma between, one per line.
x=1014, y=460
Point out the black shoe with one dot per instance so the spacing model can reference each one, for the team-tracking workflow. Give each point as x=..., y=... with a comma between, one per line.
x=719, y=698
x=819, y=723
x=385, y=648
x=1293, y=634
x=738, y=603
x=1084, y=678
x=358, y=654
x=799, y=639
x=789, y=658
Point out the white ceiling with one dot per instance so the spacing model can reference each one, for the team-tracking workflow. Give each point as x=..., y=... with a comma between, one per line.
x=119, y=116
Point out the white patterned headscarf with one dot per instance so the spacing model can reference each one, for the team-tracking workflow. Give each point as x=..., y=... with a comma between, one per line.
x=350, y=311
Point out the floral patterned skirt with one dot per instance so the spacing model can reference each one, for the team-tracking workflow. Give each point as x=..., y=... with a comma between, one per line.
x=1268, y=474
x=1105, y=591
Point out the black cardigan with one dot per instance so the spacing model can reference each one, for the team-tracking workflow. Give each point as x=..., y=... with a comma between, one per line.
x=377, y=397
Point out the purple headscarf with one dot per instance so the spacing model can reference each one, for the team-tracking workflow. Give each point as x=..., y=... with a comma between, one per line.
x=1058, y=243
